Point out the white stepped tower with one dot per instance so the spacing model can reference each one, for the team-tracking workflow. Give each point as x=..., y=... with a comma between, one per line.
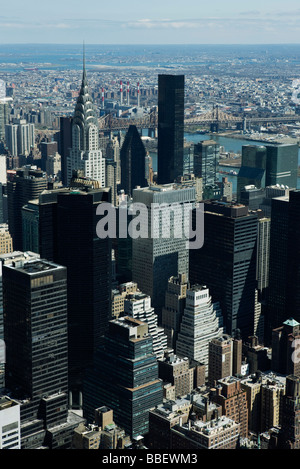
x=202, y=321
x=138, y=306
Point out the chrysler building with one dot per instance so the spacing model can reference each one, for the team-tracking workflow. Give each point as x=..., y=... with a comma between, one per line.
x=85, y=153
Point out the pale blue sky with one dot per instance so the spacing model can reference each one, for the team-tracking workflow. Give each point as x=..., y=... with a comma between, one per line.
x=150, y=22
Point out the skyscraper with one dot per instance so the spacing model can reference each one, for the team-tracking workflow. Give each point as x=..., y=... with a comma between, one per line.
x=201, y=322
x=253, y=168
x=170, y=154
x=64, y=221
x=262, y=271
x=293, y=257
x=113, y=153
x=206, y=161
x=7, y=258
x=133, y=388
x=290, y=424
x=11, y=139
x=4, y=109
x=65, y=143
x=19, y=137
x=282, y=165
x=132, y=157
x=161, y=255
x=39, y=224
x=28, y=364
x=26, y=185
x=283, y=348
x=85, y=153
x=276, y=294
x=88, y=261
x=111, y=179
x=188, y=158
x=227, y=263
x=172, y=311
x=138, y=306
x=268, y=165
x=35, y=298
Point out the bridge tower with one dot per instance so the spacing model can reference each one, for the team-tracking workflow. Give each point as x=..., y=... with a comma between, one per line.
x=214, y=126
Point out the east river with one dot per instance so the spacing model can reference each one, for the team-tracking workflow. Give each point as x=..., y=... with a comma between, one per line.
x=230, y=144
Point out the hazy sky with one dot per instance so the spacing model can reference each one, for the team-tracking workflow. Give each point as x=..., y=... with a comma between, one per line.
x=150, y=22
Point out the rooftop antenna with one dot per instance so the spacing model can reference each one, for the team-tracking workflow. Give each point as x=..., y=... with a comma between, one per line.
x=84, y=71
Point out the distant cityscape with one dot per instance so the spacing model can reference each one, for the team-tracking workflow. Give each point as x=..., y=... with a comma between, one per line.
x=149, y=248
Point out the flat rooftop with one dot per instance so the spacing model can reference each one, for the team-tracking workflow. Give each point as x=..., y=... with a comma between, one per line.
x=6, y=402
x=34, y=266
x=214, y=426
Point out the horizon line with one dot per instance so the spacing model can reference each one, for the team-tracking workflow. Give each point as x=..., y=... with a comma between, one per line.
x=152, y=44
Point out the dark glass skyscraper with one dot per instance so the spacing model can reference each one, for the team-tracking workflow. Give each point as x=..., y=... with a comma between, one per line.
x=35, y=299
x=88, y=260
x=293, y=257
x=132, y=157
x=65, y=143
x=66, y=224
x=290, y=411
x=268, y=165
x=36, y=338
x=253, y=168
x=227, y=263
x=206, y=161
x=170, y=153
x=26, y=185
x=124, y=377
x=282, y=165
x=276, y=293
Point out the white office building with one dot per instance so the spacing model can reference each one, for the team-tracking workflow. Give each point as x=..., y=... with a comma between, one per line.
x=202, y=321
x=162, y=250
x=19, y=137
x=10, y=437
x=138, y=306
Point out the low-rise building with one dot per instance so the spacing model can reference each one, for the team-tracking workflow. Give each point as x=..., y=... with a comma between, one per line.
x=221, y=433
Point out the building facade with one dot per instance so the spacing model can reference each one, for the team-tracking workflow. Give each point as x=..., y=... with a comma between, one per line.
x=132, y=156
x=27, y=184
x=85, y=154
x=201, y=322
x=159, y=254
x=35, y=297
x=227, y=263
x=219, y=359
x=10, y=437
x=170, y=152
x=173, y=308
x=134, y=388
x=206, y=161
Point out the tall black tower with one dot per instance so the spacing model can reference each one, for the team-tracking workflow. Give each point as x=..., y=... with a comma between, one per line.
x=132, y=157
x=65, y=143
x=124, y=376
x=170, y=127
x=36, y=338
x=276, y=312
x=293, y=257
x=26, y=185
x=88, y=261
x=227, y=263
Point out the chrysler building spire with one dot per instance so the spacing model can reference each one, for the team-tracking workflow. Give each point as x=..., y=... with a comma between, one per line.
x=85, y=153
x=85, y=114
x=84, y=69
